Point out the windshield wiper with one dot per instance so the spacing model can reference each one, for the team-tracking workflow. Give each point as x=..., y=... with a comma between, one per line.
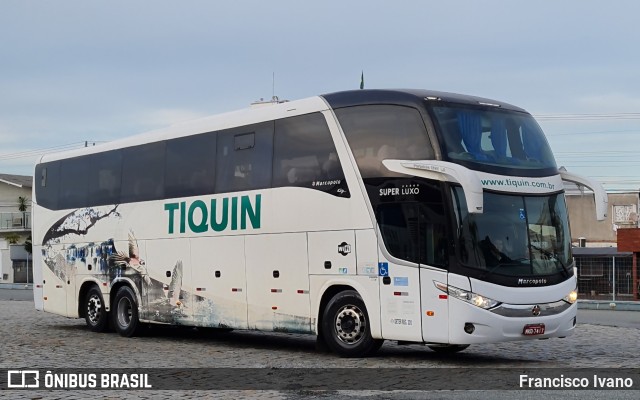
x=495, y=268
x=552, y=257
x=507, y=262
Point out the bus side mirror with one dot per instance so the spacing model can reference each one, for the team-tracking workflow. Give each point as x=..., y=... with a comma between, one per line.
x=600, y=195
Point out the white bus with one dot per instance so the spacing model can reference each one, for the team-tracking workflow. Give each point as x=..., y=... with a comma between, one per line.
x=357, y=216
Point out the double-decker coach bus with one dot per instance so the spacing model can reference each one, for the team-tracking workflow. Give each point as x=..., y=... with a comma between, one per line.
x=357, y=216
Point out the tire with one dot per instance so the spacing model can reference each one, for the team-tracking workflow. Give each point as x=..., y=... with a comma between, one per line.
x=345, y=326
x=125, y=312
x=448, y=348
x=95, y=315
x=377, y=344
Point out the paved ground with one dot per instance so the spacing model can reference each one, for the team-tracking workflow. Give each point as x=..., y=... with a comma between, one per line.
x=623, y=319
x=15, y=294
x=32, y=339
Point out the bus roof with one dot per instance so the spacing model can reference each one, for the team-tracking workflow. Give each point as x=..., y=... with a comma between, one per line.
x=409, y=97
x=246, y=116
x=252, y=115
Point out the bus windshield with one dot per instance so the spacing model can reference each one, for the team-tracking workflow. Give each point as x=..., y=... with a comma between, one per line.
x=492, y=137
x=516, y=235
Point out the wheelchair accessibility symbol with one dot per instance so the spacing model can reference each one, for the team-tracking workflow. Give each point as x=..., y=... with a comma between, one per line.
x=383, y=269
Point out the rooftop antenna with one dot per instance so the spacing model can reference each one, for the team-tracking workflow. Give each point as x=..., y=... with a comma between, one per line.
x=274, y=98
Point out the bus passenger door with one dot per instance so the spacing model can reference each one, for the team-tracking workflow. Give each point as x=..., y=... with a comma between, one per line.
x=278, y=282
x=399, y=284
x=219, y=278
x=410, y=307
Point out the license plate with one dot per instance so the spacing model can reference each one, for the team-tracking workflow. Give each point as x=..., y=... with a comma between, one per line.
x=533, y=329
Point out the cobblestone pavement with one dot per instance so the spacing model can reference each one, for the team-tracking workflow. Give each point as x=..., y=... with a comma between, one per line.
x=32, y=339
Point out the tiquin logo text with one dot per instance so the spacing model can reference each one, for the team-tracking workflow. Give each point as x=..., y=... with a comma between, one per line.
x=199, y=216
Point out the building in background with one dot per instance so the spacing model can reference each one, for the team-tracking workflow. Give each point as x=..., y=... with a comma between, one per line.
x=586, y=231
x=604, y=272
x=15, y=228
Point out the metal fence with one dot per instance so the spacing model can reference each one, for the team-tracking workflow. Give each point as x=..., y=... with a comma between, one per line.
x=605, y=277
x=15, y=221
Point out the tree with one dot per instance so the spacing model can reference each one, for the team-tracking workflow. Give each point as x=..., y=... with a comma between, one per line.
x=23, y=204
x=28, y=246
x=13, y=238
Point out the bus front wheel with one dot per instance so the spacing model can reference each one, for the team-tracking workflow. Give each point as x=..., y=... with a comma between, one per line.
x=345, y=326
x=125, y=312
x=95, y=314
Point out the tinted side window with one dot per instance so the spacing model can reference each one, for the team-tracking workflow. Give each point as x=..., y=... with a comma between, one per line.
x=74, y=182
x=380, y=132
x=47, y=182
x=244, y=158
x=143, y=172
x=412, y=220
x=433, y=235
x=414, y=232
x=105, y=174
x=190, y=166
x=399, y=228
x=304, y=153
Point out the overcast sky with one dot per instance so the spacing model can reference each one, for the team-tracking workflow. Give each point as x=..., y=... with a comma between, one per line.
x=75, y=71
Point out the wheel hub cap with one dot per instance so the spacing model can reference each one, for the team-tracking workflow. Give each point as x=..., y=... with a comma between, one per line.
x=350, y=324
x=94, y=307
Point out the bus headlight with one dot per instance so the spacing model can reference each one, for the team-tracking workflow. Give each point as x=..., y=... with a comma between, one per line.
x=572, y=296
x=465, y=295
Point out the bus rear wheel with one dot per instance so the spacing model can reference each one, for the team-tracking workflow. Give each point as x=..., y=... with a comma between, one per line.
x=95, y=315
x=125, y=312
x=345, y=326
